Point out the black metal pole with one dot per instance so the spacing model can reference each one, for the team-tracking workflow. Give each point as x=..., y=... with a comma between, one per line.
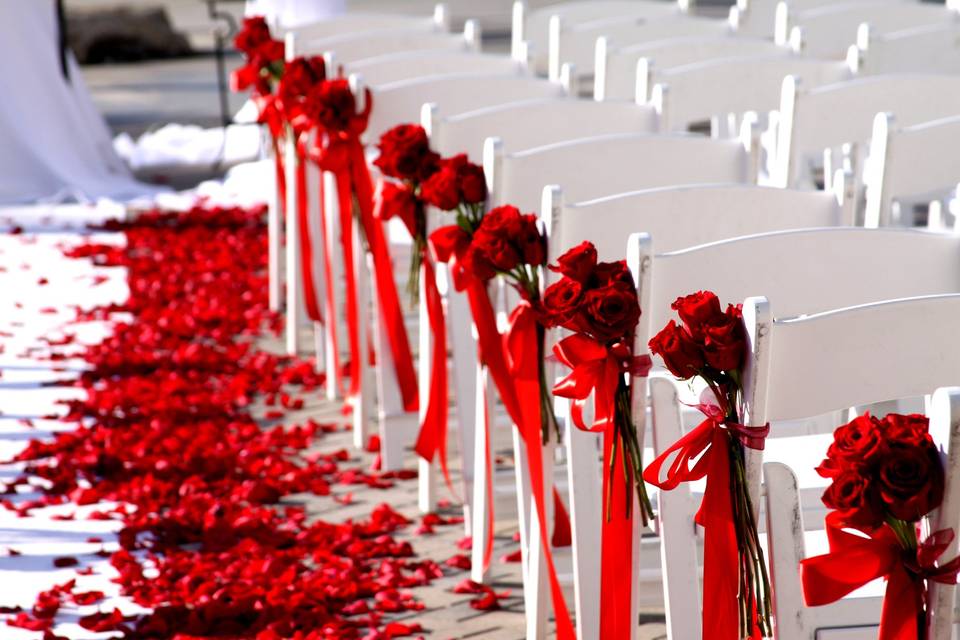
x=62, y=44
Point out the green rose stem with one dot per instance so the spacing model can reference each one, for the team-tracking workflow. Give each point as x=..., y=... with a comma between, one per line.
x=416, y=259
x=626, y=432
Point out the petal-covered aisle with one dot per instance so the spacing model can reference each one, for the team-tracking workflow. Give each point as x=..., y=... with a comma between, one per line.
x=174, y=478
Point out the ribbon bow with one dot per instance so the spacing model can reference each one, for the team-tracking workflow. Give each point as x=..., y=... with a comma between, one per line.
x=854, y=560
x=710, y=442
x=596, y=368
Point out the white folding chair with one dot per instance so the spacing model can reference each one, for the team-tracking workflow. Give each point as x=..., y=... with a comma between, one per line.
x=805, y=271
x=396, y=67
x=454, y=93
x=677, y=217
x=351, y=47
x=758, y=17
x=531, y=29
x=829, y=31
x=359, y=22
x=577, y=46
x=853, y=617
x=710, y=91
x=814, y=119
x=616, y=67
x=912, y=161
x=928, y=49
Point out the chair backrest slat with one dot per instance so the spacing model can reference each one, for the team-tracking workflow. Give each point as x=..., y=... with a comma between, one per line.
x=401, y=102
x=535, y=123
x=594, y=167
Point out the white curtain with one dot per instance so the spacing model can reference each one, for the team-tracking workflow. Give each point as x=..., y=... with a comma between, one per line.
x=53, y=141
x=293, y=13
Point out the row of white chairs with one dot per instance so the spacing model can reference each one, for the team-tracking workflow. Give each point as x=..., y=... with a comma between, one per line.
x=590, y=171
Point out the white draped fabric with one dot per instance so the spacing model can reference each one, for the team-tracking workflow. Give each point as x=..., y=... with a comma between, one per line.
x=293, y=13
x=53, y=141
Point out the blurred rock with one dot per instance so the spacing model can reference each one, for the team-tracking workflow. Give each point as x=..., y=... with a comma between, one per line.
x=123, y=34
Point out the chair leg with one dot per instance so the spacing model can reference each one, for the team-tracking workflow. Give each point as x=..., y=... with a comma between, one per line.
x=427, y=492
x=292, y=253
x=584, y=475
x=483, y=456
x=333, y=313
x=535, y=583
x=365, y=400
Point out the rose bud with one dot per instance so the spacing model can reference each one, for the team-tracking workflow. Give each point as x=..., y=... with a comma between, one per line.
x=334, y=104
x=680, y=354
x=498, y=250
x=405, y=152
x=857, y=443
x=612, y=272
x=577, y=263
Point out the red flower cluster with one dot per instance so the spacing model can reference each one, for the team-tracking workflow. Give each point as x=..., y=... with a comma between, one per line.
x=405, y=154
x=167, y=433
x=883, y=467
x=598, y=299
x=708, y=337
x=264, y=56
x=446, y=183
x=505, y=240
x=300, y=78
x=456, y=181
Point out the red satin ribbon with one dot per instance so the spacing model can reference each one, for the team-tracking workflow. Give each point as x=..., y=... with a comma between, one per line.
x=306, y=243
x=855, y=560
x=343, y=156
x=432, y=438
x=710, y=440
x=523, y=350
x=596, y=370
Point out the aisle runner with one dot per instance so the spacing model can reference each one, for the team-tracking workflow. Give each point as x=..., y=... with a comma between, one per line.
x=165, y=484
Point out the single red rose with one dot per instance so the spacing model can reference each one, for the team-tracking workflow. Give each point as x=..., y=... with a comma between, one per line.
x=681, y=354
x=610, y=313
x=696, y=310
x=612, y=273
x=561, y=300
x=577, y=263
x=856, y=444
x=533, y=246
x=442, y=189
x=906, y=430
x=504, y=221
x=497, y=249
x=852, y=493
x=725, y=340
x=405, y=153
x=473, y=183
x=911, y=482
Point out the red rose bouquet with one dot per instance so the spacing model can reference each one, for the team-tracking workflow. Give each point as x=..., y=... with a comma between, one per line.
x=598, y=302
x=406, y=157
x=710, y=344
x=886, y=476
x=264, y=57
